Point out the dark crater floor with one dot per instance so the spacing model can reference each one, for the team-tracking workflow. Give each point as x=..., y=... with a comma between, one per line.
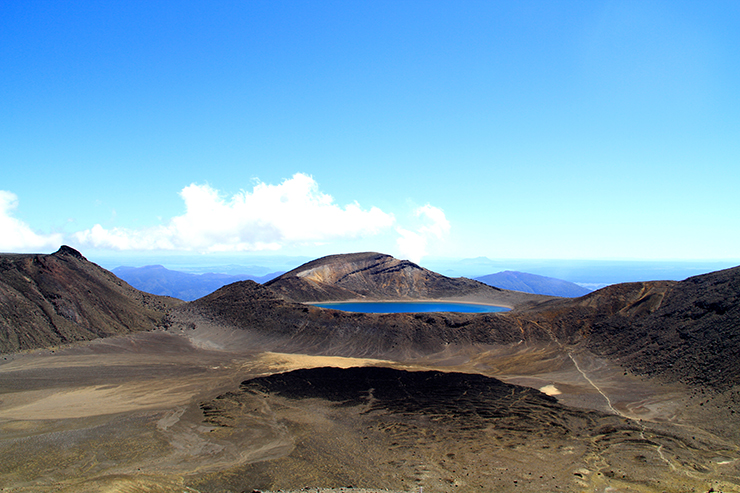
x=397, y=429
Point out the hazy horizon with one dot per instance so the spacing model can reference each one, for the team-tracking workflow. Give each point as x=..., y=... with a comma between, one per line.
x=425, y=130
x=586, y=272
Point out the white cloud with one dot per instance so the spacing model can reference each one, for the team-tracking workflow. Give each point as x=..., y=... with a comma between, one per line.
x=17, y=236
x=267, y=218
x=411, y=245
x=294, y=213
x=434, y=224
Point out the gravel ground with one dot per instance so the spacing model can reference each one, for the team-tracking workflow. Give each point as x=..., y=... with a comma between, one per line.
x=336, y=490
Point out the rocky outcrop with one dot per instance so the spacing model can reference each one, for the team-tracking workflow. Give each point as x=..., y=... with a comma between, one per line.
x=389, y=428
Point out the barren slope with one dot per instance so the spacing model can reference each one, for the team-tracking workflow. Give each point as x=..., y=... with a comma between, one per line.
x=687, y=331
x=61, y=298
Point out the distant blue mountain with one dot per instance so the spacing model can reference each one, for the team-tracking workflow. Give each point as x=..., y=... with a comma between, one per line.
x=532, y=283
x=156, y=279
x=597, y=273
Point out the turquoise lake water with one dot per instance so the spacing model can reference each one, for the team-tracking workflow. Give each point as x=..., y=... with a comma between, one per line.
x=410, y=307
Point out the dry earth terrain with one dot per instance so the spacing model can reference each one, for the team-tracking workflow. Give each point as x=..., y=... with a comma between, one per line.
x=247, y=390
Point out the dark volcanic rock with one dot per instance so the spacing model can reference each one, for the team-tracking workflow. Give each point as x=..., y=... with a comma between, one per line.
x=67, y=250
x=60, y=298
x=455, y=395
x=692, y=336
x=475, y=400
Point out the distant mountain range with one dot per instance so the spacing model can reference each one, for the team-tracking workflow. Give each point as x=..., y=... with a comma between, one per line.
x=532, y=283
x=156, y=279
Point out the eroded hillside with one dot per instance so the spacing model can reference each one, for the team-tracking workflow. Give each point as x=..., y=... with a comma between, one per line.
x=47, y=300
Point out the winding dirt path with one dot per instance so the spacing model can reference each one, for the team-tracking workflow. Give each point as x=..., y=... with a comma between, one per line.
x=593, y=384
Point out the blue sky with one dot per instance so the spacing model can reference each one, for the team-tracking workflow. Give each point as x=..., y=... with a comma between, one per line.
x=540, y=130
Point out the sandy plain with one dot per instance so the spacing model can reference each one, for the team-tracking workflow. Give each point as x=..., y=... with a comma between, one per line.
x=127, y=414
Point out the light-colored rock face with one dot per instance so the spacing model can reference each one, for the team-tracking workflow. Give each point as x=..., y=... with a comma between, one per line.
x=318, y=274
x=369, y=274
x=341, y=269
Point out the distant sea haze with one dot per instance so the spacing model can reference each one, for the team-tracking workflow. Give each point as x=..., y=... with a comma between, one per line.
x=587, y=273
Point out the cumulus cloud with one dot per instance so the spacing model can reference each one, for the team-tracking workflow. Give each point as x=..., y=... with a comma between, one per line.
x=412, y=244
x=267, y=218
x=17, y=236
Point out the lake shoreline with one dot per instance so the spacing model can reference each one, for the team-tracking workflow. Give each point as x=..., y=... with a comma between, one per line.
x=445, y=304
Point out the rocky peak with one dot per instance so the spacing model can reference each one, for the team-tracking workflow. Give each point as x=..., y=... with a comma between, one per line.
x=65, y=250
